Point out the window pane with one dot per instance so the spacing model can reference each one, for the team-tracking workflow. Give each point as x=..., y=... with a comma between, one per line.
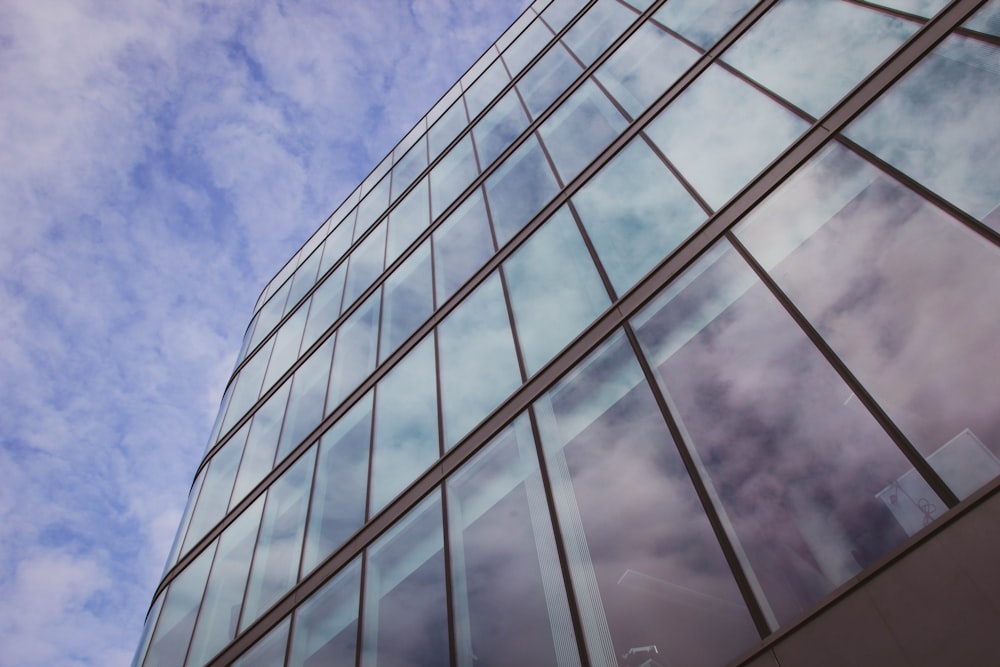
x=279, y=545
x=462, y=244
x=555, y=290
x=485, y=88
x=499, y=127
x=305, y=404
x=986, y=20
x=406, y=619
x=224, y=593
x=407, y=220
x=476, y=335
x=217, y=488
x=636, y=213
x=703, y=21
x=147, y=630
x=337, y=244
x=354, y=356
x=409, y=167
x=175, y=548
x=452, y=174
x=366, y=264
x=246, y=386
x=371, y=207
x=324, y=306
x=408, y=301
x=721, y=132
x=258, y=456
x=548, y=78
x=510, y=602
x=646, y=565
x=270, y=314
x=304, y=278
x=926, y=8
x=896, y=287
x=580, y=128
x=338, y=502
x=267, y=652
x=326, y=625
x=594, y=32
x=406, y=432
x=799, y=469
x=561, y=12
x=286, y=347
x=180, y=608
x=644, y=67
x=939, y=124
x=526, y=46
x=812, y=52
x=447, y=128
x=519, y=189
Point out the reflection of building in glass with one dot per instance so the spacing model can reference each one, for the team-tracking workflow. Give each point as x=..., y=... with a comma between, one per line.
x=668, y=337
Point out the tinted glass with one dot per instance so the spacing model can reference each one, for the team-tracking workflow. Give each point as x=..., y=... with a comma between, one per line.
x=499, y=127
x=305, y=277
x=246, y=386
x=462, y=244
x=926, y=8
x=409, y=167
x=324, y=306
x=267, y=652
x=410, y=217
x=286, y=346
x=560, y=12
x=408, y=300
x=703, y=21
x=337, y=244
x=526, y=46
x=597, y=28
x=485, y=88
x=354, y=356
x=326, y=625
x=452, y=174
x=371, y=207
x=262, y=443
x=548, y=78
x=519, y=189
x=177, y=616
x=308, y=395
x=270, y=314
x=366, y=264
x=447, y=128
x=216, y=488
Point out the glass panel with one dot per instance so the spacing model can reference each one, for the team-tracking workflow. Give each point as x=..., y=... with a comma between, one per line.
x=475, y=335
x=651, y=579
x=509, y=598
x=406, y=425
x=217, y=488
x=270, y=314
x=482, y=92
x=580, y=128
x=354, y=356
x=462, y=244
x=406, y=618
x=594, y=32
x=258, y=456
x=269, y=651
x=279, y=545
x=926, y=8
x=986, y=20
x=644, y=67
x=939, y=124
x=452, y=174
x=286, y=347
x=305, y=404
x=371, y=207
x=447, y=128
x=519, y=189
x=246, y=386
x=407, y=220
x=548, y=78
x=797, y=467
x=338, y=502
x=366, y=264
x=173, y=630
x=635, y=213
x=326, y=625
x=703, y=21
x=641, y=5
x=896, y=287
x=515, y=29
x=337, y=244
x=555, y=290
x=408, y=301
x=324, y=306
x=220, y=609
x=304, y=278
x=409, y=167
x=721, y=132
x=561, y=12
x=147, y=631
x=499, y=127
x=812, y=52
x=526, y=47
x=175, y=548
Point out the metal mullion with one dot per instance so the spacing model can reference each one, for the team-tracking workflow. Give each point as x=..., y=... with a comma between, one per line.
x=522, y=368
x=676, y=173
x=359, y=642
x=611, y=98
x=765, y=91
x=907, y=448
x=448, y=587
x=891, y=11
x=742, y=571
x=594, y=257
x=253, y=558
x=201, y=604
x=550, y=161
x=979, y=36
x=289, y=640
x=309, y=509
x=371, y=452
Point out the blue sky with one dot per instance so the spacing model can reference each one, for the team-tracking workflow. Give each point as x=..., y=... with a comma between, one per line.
x=161, y=160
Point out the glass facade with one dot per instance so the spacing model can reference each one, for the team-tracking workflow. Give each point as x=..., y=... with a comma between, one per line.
x=670, y=320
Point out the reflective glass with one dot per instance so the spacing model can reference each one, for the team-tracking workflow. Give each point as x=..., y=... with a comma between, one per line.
x=371, y=207
x=326, y=625
x=279, y=545
x=721, y=132
x=177, y=616
x=337, y=244
x=560, y=12
x=596, y=29
x=986, y=20
x=258, y=456
x=246, y=386
x=475, y=335
x=812, y=52
x=305, y=404
x=452, y=174
x=939, y=124
x=462, y=244
x=636, y=213
x=217, y=488
x=324, y=306
x=548, y=78
x=406, y=425
x=286, y=347
x=338, y=501
x=354, y=356
x=499, y=127
x=641, y=5
x=800, y=472
x=409, y=167
x=407, y=220
x=519, y=188
x=926, y=8
x=304, y=278
x=885, y=277
x=269, y=651
x=406, y=618
x=224, y=592
x=486, y=87
x=580, y=128
x=366, y=264
x=478, y=67
x=447, y=128
x=175, y=548
x=555, y=290
x=147, y=631
x=703, y=21
x=270, y=315
x=408, y=300
x=642, y=68
x=526, y=46
x=646, y=565
x=509, y=597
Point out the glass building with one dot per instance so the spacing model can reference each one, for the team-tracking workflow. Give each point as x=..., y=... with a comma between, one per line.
x=668, y=337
